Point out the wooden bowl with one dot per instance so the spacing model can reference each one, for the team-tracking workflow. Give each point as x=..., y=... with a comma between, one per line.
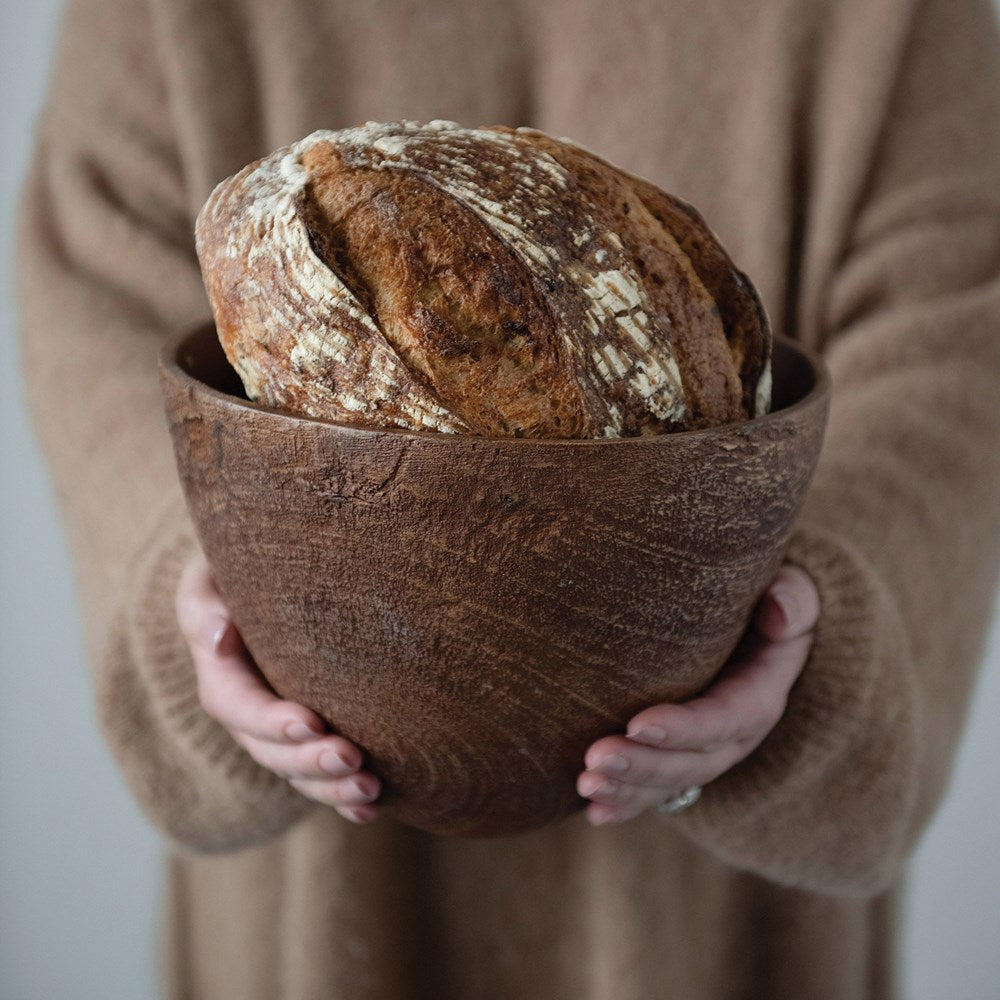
x=474, y=612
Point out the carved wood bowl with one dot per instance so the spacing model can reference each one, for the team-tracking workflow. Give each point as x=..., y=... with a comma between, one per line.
x=474, y=612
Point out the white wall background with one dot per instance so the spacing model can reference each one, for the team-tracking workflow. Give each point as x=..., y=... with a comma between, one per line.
x=79, y=872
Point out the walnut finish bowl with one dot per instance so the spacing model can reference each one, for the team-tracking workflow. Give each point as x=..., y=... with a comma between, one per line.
x=474, y=612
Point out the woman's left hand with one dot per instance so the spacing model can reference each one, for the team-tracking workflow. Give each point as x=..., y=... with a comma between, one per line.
x=672, y=747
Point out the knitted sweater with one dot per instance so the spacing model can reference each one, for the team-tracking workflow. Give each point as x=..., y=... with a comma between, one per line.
x=847, y=153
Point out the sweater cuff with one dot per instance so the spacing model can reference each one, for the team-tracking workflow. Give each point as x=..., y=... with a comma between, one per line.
x=822, y=802
x=192, y=778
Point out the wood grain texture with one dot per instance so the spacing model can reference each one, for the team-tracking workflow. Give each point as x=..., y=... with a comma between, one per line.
x=473, y=611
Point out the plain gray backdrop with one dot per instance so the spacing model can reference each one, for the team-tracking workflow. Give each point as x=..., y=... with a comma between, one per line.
x=80, y=867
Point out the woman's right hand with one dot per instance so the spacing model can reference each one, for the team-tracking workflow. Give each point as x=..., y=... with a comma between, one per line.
x=286, y=738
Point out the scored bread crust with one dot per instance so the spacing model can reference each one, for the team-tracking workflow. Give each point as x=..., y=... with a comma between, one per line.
x=490, y=281
x=744, y=320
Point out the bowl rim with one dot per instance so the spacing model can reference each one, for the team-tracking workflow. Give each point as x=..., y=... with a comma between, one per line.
x=168, y=361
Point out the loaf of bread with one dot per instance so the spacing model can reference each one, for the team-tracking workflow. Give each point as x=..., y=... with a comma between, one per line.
x=489, y=281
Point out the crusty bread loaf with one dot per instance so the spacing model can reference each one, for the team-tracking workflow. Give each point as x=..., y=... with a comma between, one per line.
x=489, y=281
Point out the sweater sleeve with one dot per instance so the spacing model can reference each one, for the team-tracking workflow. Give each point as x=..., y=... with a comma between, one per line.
x=107, y=271
x=899, y=528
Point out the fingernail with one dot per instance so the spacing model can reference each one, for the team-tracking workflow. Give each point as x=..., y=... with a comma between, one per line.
x=597, y=788
x=615, y=764
x=787, y=604
x=333, y=762
x=300, y=731
x=648, y=734
x=362, y=789
x=360, y=814
x=223, y=634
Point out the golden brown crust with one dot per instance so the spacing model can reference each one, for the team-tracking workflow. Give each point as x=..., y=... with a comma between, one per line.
x=289, y=326
x=737, y=304
x=747, y=328
x=488, y=281
x=686, y=313
x=450, y=297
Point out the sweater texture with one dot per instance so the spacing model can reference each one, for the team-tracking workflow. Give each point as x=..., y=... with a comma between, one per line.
x=847, y=153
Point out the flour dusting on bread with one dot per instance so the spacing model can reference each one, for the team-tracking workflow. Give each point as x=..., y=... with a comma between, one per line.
x=433, y=277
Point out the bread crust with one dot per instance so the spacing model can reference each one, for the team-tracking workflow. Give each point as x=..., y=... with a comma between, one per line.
x=490, y=281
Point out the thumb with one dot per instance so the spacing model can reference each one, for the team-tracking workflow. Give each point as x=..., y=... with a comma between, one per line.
x=790, y=608
x=203, y=617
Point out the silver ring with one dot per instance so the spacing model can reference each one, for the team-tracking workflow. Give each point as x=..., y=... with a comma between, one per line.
x=687, y=798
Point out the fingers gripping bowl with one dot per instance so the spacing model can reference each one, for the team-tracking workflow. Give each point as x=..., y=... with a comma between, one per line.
x=498, y=469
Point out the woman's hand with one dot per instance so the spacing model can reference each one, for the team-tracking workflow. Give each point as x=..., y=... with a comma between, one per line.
x=669, y=748
x=286, y=738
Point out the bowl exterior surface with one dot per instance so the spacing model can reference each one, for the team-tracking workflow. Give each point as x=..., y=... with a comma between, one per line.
x=474, y=612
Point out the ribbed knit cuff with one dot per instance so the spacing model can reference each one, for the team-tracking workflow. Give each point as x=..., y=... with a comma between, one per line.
x=197, y=783
x=822, y=801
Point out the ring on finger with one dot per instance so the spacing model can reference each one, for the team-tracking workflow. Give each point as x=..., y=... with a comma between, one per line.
x=682, y=801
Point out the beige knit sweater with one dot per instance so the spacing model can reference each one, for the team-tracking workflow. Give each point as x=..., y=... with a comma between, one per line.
x=848, y=154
